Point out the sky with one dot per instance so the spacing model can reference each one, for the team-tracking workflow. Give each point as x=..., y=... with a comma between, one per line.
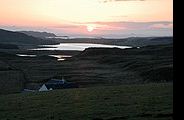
x=98, y=18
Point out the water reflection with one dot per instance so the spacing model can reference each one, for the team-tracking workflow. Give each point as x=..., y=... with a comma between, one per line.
x=78, y=46
x=61, y=57
x=25, y=55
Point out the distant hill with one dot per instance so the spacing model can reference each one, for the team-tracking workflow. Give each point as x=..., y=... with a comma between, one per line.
x=10, y=37
x=144, y=41
x=131, y=41
x=38, y=34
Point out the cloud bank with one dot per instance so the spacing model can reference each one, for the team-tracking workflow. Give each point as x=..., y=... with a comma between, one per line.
x=105, y=1
x=134, y=25
x=119, y=29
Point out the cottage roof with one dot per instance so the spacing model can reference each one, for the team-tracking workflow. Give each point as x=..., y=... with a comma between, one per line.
x=56, y=81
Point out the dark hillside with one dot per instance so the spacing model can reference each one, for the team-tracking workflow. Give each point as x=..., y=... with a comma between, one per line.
x=17, y=38
x=91, y=67
x=117, y=66
x=11, y=79
x=38, y=34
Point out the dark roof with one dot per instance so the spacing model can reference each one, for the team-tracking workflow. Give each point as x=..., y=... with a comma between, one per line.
x=60, y=84
x=55, y=81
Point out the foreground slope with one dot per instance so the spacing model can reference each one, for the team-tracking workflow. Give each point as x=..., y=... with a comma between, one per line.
x=125, y=102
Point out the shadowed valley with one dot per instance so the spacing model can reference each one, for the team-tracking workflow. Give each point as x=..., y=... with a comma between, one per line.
x=114, y=84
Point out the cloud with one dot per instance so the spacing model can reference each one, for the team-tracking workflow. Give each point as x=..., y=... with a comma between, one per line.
x=128, y=28
x=65, y=26
x=162, y=26
x=105, y=1
x=117, y=27
x=125, y=25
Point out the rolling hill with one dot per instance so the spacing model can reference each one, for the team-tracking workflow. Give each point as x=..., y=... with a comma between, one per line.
x=131, y=41
x=10, y=37
x=38, y=34
x=116, y=66
x=92, y=67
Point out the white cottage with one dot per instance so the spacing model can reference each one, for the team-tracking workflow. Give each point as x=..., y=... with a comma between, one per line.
x=44, y=88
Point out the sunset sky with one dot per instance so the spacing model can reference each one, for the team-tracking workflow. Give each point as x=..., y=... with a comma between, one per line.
x=101, y=18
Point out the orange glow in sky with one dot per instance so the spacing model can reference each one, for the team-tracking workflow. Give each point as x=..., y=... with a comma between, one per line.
x=82, y=13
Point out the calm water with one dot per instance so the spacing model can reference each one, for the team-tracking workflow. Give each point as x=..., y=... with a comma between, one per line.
x=78, y=46
x=25, y=55
x=61, y=57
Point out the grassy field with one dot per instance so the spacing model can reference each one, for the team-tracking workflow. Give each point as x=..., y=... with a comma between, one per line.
x=124, y=102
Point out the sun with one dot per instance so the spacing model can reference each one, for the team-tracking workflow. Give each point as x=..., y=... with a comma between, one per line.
x=90, y=28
